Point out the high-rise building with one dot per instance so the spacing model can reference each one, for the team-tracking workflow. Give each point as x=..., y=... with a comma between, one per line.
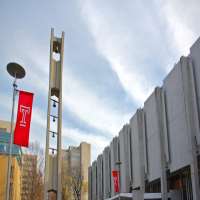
x=15, y=184
x=75, y=163
x=29, y=175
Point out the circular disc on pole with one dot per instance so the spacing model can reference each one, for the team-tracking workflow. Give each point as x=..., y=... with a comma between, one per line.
x=16, y=70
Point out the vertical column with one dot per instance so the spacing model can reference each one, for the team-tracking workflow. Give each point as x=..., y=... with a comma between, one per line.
x=137, y=124
x=100, y=177
x=59, y=130
x=53, y=161
x=125, y=161
x=155, y=134
x=90, y=183
x=46, y=175
x=183, y=121
x=106, y=173
x=160, y=105
x=190, y=100
x=94, y=180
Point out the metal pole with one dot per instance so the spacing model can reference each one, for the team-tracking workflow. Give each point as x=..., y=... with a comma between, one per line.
x=11, y=141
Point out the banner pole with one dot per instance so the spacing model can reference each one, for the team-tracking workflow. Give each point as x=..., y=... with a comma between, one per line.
x=11, y=141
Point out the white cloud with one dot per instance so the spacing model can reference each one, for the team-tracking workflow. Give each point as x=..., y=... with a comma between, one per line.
x=182, y=17
x=91, y=108
x=38, y=117
x=6, y=103
x=131, y=34
x=124, y=42
x=85, y=104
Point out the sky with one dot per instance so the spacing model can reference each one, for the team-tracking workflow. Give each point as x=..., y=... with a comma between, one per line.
x=115, y=53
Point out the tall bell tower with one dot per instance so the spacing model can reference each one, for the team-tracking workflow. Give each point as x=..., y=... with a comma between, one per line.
x=52, y=181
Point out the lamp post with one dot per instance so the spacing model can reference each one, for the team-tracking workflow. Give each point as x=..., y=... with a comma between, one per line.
x=18, y=72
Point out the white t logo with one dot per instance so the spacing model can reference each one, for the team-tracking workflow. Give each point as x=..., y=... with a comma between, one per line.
x=24, y=110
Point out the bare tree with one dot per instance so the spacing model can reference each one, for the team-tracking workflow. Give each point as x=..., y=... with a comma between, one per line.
x=76, y=183
x=66, y=185
x=35, y=149
x=33, y=169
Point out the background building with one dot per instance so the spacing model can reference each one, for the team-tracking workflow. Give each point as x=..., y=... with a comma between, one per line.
x=75, y=163
x=5, y=126
x=15, y=184
x=29, y=176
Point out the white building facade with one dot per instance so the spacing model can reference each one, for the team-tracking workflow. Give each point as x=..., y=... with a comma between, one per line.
x=158, y=151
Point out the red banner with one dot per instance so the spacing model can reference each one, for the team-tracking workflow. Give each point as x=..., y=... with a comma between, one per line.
x=115, y=175
x=21, y=134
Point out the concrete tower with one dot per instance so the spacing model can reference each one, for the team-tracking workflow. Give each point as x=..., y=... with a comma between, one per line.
x=53, y=187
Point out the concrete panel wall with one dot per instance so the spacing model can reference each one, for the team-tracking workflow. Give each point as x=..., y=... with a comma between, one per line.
x=179, y=134
x=137, y=124
x=183, y=122
x=194, y=55
x=100, y=177
x=106, y=173
x=153, y=138
x=125, y=159
x=94, y=180
x=114, y=157
x=89, y=183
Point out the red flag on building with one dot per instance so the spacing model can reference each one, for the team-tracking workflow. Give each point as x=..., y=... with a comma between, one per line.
x=115, y=175
x=21, y=134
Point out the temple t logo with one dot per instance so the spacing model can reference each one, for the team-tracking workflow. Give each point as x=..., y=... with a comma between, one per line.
x=24, y=110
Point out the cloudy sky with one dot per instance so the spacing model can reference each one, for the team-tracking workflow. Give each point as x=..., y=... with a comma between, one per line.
x=116, y=52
